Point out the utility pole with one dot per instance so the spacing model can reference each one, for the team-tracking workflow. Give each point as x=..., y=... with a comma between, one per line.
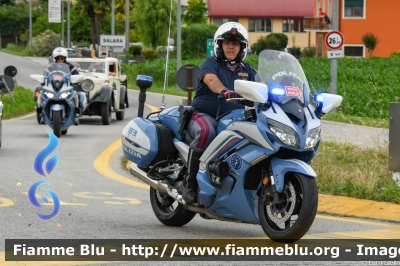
x=178, y=36
x=335, y=27
x=30, y=24
x=112, y=24
x=69, y=28
x=62, y=23
x=127, y=25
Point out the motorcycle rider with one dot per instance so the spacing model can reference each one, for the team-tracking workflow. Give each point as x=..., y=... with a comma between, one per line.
x=216, y=78
x=60, y=55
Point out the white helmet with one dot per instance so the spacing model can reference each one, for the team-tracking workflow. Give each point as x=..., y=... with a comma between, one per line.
x=59, y=51
x=231, y=31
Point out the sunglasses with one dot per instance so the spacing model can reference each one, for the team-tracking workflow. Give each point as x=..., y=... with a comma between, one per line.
x=59, y=58
x=98, y=65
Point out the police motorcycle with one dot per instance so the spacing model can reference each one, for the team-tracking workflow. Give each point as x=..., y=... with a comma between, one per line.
x=56, y=100
x=257, y=168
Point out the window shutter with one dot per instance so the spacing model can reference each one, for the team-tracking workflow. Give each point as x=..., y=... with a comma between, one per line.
x=354, y=3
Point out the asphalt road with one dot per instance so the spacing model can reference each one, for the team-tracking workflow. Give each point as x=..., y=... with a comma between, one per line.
x=99, y=198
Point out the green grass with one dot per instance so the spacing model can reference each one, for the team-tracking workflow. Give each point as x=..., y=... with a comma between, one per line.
x=353, y=171
x=17, y=50
x=24, y=102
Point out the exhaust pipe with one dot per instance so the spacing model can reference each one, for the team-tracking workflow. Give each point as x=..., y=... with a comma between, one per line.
x=162, y=186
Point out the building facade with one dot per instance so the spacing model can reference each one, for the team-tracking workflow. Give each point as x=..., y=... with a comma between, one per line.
x=300, y=21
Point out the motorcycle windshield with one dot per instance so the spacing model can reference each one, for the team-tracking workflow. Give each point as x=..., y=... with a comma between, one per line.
x=57, y=73
x=284, y=76
x=58, y=69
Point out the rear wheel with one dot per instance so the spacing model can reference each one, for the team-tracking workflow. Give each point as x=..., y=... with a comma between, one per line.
x=126, y=98
x=106, y=113
x=39, y=116
x=57, y=123
x=1, y=131
x=290, y=219
x=120, y=115
x=168, y=211
x=64, y=132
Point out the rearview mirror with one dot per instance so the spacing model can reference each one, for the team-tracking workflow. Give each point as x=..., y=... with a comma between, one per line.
x=38, y=78
x=326, y=102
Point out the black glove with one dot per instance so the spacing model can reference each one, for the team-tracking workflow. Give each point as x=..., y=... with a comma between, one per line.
x=228, y=94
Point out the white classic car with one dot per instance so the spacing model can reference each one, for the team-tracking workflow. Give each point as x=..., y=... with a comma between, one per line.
x=104, y=85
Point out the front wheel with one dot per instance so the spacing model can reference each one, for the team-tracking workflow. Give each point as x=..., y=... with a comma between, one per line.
x=289, y=220
x=168, y=211
x=57, y=123
x=106, y=113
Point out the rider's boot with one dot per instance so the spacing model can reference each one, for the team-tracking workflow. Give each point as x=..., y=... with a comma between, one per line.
x=189, y=184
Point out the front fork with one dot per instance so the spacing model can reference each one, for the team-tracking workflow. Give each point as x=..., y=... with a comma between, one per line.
x=268, y=187
x=273, y=180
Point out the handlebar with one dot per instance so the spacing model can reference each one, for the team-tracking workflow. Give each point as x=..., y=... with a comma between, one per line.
x=240, y=100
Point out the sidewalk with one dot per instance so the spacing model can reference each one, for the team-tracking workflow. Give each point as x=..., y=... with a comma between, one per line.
x=367, y=137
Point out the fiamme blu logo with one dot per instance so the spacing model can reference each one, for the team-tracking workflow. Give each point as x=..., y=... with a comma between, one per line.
x=44, y=169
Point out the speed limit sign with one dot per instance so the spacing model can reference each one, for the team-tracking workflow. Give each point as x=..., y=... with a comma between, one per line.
x=103, y=49
x=334, y=40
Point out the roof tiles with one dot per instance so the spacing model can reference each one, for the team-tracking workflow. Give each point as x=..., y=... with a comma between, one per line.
x=260, y=8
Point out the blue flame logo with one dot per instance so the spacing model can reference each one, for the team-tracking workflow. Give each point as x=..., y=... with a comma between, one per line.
x=38, y=166
x=35, y=202
x=41, y=156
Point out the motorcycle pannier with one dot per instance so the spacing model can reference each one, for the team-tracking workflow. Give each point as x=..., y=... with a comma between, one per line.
x=146, y=143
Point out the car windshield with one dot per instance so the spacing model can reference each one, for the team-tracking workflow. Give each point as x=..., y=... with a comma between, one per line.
x=91, y=66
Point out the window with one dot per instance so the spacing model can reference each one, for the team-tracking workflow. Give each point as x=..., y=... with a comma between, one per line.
x=354, y=51
x=220, y=21
x=354, y=8
x=260, y=25
x=289, y=25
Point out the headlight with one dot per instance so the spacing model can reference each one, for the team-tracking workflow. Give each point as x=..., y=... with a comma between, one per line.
x=313, y=137
x=284, y=133
x=65, y=94
x=49, y=94
x=87, y=85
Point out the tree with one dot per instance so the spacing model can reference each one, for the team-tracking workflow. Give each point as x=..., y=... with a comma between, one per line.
x=370, y=41
x=86, y=8
x=14, y=20
x=45, y=42
x=5, y=2
x=195, y=37
x=100, y=8
x=95, y=10
x=273, y=41
x=195, y=12
x=152, y=21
